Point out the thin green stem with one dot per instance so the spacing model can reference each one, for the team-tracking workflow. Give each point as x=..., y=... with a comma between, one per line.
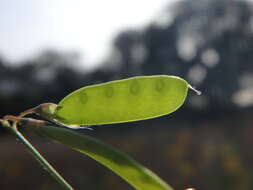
x=45, y=164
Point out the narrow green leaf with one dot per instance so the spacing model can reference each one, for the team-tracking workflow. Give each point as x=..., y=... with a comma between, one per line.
x=132, y=99
x=138, y=176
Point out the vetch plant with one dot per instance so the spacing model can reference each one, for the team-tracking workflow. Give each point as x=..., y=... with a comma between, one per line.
x=133, y=99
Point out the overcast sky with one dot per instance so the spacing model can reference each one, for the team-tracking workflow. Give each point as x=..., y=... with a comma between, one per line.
x=29, y=26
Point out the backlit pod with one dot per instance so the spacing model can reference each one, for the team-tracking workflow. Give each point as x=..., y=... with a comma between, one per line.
x=124, y=100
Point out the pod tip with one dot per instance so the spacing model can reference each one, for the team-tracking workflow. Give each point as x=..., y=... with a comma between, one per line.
x=196, y=91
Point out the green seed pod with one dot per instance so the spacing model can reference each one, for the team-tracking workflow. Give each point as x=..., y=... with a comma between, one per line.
x=119, y=101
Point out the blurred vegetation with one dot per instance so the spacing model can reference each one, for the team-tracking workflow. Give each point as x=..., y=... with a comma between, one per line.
x=204, y=145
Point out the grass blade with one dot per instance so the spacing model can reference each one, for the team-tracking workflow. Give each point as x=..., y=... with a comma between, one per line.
x=135, y=174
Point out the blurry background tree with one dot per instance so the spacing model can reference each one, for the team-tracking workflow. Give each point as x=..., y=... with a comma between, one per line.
x=207, y=42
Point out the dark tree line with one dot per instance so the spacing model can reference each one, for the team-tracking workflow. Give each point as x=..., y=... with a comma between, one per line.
x=207, y=42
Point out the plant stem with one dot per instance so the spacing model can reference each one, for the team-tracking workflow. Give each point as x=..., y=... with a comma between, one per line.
x=45, y=164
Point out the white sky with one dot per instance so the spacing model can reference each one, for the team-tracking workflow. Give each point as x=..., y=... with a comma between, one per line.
x=28, y=26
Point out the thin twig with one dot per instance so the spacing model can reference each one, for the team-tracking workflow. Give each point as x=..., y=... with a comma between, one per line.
x=45, y=164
